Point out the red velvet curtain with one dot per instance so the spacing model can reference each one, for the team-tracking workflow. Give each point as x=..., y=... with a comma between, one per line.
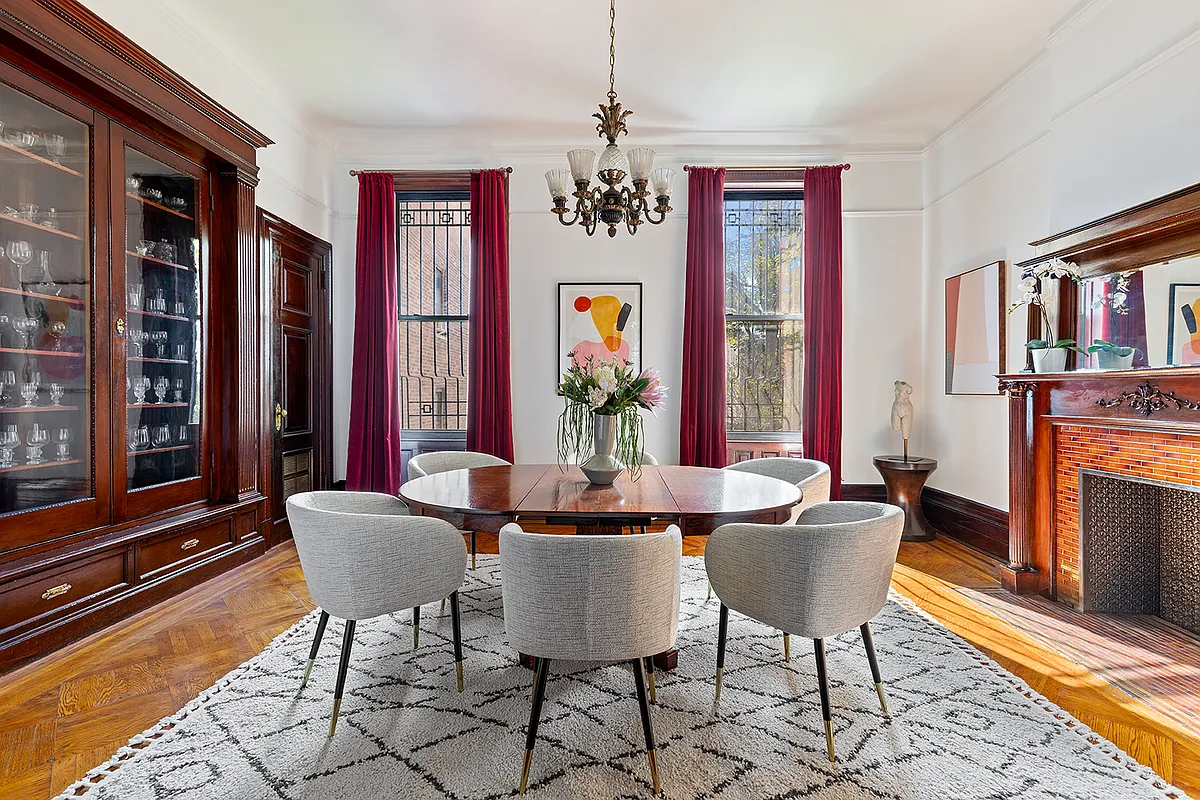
x=702, y=397
x=822, y=411
x=374, y=450
x=489, y=392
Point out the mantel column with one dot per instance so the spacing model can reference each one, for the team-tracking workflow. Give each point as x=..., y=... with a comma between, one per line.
x=1020, y=575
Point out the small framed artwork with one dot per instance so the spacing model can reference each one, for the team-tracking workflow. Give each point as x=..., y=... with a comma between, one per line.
x=1183, y=330
x=975, y=330
x=602, y=320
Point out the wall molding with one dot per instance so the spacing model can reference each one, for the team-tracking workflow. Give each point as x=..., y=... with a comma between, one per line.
x=980, y=527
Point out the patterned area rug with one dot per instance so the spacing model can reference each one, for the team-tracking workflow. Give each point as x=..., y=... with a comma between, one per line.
x=961, y=727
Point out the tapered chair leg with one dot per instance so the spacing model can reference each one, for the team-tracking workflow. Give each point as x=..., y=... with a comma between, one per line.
x=312, y=654
x=647, y=727
x=472, y=549
x=722, y=628
x=787, y=647
x=458, y=658
x=442, y=612
x=347, y=643
x=649, y=664
x=869, y=643
x=823, y=685
x=416, y=626
x=535, y=714
x=709, y=595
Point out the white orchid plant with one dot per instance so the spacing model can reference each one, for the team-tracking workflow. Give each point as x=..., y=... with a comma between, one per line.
x=1031, y=296
x=609, y=388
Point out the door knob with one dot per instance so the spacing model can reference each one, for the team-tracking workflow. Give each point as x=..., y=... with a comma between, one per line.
x=280, y=413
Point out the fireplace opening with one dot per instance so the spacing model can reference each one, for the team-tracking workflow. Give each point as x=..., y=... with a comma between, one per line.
x=1139, y=543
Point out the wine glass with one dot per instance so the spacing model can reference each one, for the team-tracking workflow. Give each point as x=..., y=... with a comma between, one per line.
x=178, y=386
x=56, y=146
x=139, y=390
x=131, y=437
x=56, y=330
x=161, y=385
x=8, y=379
x=24, y=326
x=29, y=393
x=62, y=443
x=183, y=434
x=143, y=434
x=5, y=321
x=9, y=440
x=138, y=339
x=161, y=436
x=57, y=390
x=135, y=296
x=20, y=253
x=181, y=351
x=36, y=438
x=160, y=342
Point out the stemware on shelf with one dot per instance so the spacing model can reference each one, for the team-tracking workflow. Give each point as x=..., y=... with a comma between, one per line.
x=180, y=308
x=161, y=436
x=8, y=379
x=9, y=441
x=178, y=387
x=62, y=443
x=135, y=296
x=183, y=435
x=24, y=327
x=49, y=218
x=57, y=391
x=29, y=393
x=161, y=386
x=56, y=330
x=158, y=303
x=26, y=140
x=140, y=387
x=36, y=438
x=56, y=146
x=28, y=211
x=45, y=283
x=181, y=351
x=138, y=339
x=19, y=253
x=5, y=322
x=160, y=342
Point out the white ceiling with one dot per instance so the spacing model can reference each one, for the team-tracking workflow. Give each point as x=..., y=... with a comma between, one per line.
x=806, y=71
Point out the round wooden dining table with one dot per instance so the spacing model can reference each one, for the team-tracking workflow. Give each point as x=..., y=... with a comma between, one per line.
x=697, y=499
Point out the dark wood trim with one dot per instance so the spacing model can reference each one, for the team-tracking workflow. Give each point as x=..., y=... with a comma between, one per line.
x=421, y=181
x=1161, y=229
x=976, y=525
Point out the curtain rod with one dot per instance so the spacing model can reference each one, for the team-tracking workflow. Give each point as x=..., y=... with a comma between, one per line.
x=357, y=172
x=687, y=167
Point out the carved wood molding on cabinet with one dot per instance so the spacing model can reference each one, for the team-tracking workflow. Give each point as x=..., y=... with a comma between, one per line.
x=1148, y=399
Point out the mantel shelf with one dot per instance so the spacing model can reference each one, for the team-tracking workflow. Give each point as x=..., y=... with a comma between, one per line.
x=1097, y=375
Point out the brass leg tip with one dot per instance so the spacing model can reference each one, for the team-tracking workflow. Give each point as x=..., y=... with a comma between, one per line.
x=458, y=669
x=472, y=561
x=654, y=772
x=525, y=769
x=829, y=740
x=653, y=695
x=787, y=647
x=416, y=637
x=307, y=672
x=720, y=671
x=882, y=699
x=709, y=595
x=337, y=705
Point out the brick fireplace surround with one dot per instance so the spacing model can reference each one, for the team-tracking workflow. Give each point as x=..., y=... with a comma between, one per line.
x=1128, y=452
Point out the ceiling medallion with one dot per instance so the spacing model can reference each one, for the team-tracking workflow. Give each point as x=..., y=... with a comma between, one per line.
x=617, y=203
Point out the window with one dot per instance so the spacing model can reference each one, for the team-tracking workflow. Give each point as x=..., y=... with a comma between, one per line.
x=764, y=301
x=433, y=243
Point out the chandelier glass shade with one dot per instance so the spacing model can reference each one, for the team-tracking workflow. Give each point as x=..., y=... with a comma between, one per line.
x=614, y=202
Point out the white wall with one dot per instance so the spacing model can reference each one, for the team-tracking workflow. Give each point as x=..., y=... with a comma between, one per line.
x=882, y=266
x=295, y=172
x=1104, y=119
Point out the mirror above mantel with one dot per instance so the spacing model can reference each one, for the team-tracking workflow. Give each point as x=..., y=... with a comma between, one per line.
x=1139, y=292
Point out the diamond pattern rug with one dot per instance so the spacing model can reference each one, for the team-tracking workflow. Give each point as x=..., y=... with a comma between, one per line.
x=961, y=726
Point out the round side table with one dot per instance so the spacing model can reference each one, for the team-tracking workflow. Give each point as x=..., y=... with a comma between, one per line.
x=904, y=480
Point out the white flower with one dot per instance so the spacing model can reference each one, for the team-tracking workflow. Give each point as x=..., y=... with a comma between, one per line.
x=606, y=379
x=597, y=397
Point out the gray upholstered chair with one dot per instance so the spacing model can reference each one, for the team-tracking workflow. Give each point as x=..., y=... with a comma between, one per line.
x=590, y=598
x=827, y=574
x=812, y=477
x=447, y=460
x=363, y=556
x=648, y=459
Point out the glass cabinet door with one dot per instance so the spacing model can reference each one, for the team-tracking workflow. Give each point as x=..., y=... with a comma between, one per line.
x=47, y=397
x=165, y=307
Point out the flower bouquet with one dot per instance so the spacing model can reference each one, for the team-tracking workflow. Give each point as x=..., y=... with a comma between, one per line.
x=1050, y=354
x=602, y=416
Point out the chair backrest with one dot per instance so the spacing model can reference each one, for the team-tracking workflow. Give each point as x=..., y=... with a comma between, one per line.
x=813, y=477
x=827, y=574
x=590, y=598
x=364, y=556
x=446, y=460
x=648, y=459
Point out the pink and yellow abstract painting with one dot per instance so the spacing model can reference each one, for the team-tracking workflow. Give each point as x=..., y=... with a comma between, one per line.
x=601, y=320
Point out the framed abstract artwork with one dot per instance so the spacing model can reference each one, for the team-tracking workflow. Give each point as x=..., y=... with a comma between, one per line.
x=601, y=320
x=1183, y=335
x=975, y=331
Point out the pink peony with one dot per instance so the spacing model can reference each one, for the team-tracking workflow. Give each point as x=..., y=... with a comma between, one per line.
x=655, y=393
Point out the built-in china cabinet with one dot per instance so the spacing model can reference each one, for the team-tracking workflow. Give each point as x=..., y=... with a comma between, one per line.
x=131, y=344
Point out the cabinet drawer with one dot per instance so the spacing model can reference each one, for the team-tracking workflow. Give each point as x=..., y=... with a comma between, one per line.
x=177, y=549
x=60, y=588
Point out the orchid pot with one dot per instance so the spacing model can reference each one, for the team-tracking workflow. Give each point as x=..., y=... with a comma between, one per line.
x=1051, y=357
x=1112, y=356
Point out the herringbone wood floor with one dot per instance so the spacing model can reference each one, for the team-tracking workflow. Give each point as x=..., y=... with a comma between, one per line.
x=69, y=711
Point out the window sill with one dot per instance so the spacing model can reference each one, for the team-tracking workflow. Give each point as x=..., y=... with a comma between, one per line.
x=783, y=437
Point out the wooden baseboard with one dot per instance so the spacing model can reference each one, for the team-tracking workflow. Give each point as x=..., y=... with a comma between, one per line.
x=978, y=526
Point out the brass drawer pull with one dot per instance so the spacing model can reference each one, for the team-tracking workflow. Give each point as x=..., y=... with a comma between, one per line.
x=189, y=544
x=56, y=591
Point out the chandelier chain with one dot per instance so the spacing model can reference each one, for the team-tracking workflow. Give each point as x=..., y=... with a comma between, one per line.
x=612, y=49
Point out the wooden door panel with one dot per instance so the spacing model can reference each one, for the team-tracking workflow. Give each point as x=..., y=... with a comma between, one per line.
x=295, y=373
x=296, y=287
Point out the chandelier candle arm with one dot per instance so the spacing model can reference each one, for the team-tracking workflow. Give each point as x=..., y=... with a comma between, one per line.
x=614, y=201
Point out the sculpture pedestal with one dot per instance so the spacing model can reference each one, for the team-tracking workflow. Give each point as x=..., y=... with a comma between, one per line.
x=904, y=479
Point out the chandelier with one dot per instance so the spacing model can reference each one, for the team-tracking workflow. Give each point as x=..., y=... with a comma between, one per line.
x=614, y=202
